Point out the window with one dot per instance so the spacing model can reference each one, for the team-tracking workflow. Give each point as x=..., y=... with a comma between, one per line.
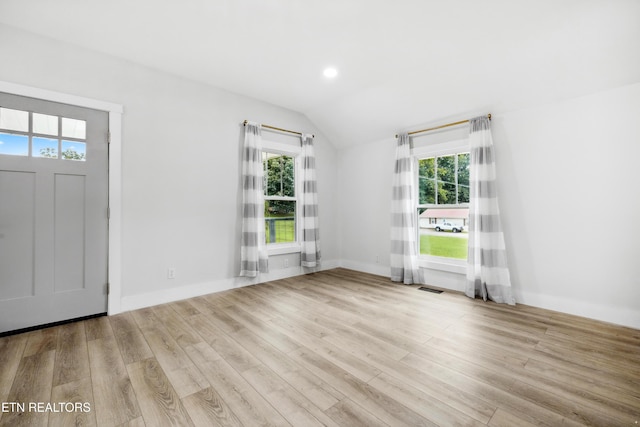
x=280, y=194
x=28, y=134
x=443, y=201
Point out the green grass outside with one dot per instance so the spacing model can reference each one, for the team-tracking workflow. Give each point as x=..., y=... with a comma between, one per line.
x=445, y=246
x=285, y=231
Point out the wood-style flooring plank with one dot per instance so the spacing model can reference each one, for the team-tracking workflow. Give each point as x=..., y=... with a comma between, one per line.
x=331, y=352
x=11, y=350
x=433, y=410
x=184, y=308
x=236, y=355
x=249, y=406
x=437, y=390
x=32, y=385
x=98, y=327
x=495, y=390
x=159, y=403
x=307, y=383
x=207, y=408
x=245, y=315
x=347, y=413
x=291, y=403
x=72, y=355
x=503, y=418
x=42, y=340
x=130, y=339
x=176, y=326
x=114, y=398
x=78, y=409
x=372, y=399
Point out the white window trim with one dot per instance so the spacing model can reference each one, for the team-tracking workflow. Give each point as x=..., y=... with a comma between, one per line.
x=294, y=151
x=451, y=265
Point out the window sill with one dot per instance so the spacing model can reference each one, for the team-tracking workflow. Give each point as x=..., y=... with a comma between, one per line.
x=283, y=248
x=443, y=264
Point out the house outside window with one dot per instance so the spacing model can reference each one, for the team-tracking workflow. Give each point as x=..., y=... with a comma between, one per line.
x=442, y=175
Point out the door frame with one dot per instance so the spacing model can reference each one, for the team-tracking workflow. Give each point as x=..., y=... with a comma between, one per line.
x=114, y=260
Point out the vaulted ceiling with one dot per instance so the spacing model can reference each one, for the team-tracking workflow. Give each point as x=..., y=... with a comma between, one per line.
x=401, y=63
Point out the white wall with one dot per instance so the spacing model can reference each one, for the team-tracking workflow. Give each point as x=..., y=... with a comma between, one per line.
x=569, y=196
x=364, y=198
x=571, y=203
x=572, y=163
x=181, y=163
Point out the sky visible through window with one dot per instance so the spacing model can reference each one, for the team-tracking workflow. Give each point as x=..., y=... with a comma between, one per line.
x=17, y=145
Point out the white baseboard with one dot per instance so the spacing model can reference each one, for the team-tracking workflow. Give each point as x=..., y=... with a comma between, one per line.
x=134, y=302
x=615, y=315
x=378, y=269
x=609, y=314
x=455, y=282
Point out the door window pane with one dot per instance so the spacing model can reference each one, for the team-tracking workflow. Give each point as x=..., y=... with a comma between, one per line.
x=14, y=145
x=44, y=147
x=45, y=124
x=72, y=150
x=14, y=119
x=72, y=128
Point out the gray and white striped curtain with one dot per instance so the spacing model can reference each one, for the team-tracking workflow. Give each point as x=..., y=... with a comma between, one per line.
x=487, y=271
x=253, y=251
x=310, y=255
x=404, y=252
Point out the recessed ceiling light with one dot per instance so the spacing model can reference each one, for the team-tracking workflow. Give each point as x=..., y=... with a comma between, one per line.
x=330, y=72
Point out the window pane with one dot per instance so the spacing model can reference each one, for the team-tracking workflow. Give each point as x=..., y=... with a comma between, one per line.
x=426, y=181
x=280, y=221
x=72, y=150
x=426, y=168
x=45, y=124
x=427, y=191
x=463, y=178
x=44, y=147
x=14, y=119
x=72, y=128
x=278, y=175
x=446, y=242
x=15, y=145
x=446, y=193
x=447, y=169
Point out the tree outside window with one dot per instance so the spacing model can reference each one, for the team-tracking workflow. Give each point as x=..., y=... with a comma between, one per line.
x=280, y=197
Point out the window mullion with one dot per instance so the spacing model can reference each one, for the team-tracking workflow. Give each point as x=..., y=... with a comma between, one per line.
x=455, y=176
x=435, y=179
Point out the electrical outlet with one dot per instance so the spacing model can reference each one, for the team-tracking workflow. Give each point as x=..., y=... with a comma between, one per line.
x=171, y=273
x=286, y=262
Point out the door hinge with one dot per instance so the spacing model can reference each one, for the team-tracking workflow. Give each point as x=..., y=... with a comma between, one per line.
x=108, y=137
x=108, y=288
x=108, y=213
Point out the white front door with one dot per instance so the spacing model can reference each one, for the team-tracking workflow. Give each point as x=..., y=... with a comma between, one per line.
x=53, y=212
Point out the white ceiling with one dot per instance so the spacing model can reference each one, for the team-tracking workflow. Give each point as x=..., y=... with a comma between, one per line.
x=402, y=63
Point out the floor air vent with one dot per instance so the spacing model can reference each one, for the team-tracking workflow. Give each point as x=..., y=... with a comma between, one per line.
x=435, y=291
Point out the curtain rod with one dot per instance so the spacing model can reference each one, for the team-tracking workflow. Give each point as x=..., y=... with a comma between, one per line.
x=442, y=126
x=278, y=129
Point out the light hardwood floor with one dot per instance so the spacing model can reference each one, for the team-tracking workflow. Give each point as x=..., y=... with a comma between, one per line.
x=336, y=348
